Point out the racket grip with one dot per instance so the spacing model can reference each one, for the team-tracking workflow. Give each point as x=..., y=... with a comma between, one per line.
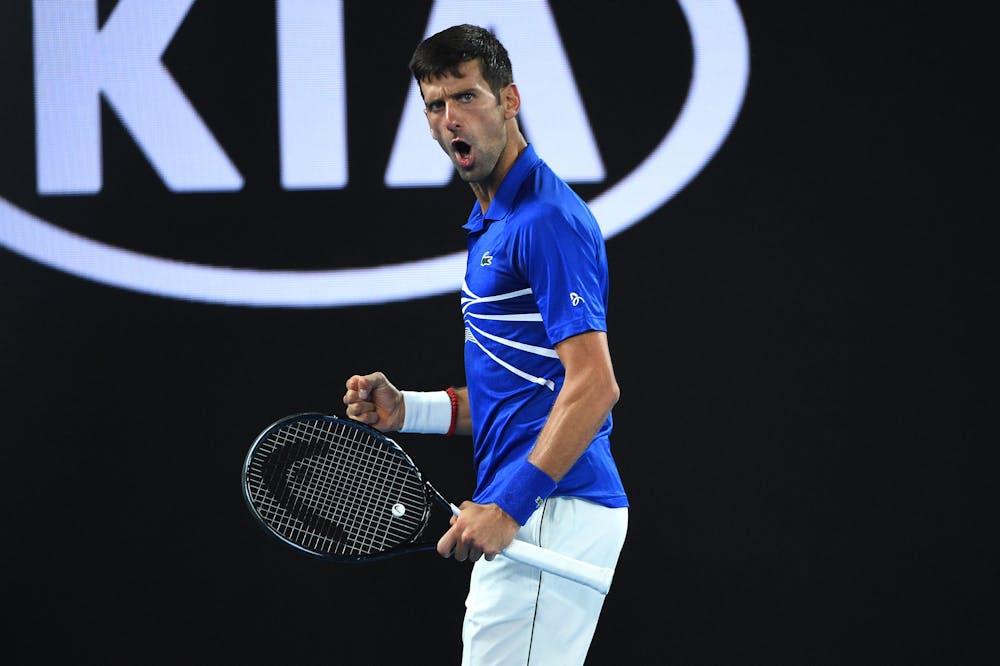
x=595, y=577
x=585, y=573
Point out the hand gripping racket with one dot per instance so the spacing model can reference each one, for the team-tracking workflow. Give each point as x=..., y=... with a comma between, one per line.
x=345, y=492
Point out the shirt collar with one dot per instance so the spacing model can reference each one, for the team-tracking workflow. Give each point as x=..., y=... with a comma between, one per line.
x=503, y=200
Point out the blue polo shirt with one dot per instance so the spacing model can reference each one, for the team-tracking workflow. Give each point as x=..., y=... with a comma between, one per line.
x=536, y=274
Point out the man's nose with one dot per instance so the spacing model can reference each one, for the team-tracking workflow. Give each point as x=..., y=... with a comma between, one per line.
x=451, y=116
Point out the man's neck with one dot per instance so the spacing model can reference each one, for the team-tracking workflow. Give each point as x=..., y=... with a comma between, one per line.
x=486, y=190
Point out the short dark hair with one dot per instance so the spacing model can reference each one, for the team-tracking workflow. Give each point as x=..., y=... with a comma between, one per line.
x=443, y=53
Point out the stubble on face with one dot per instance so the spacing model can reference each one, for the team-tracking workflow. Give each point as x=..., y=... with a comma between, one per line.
x=467, y=121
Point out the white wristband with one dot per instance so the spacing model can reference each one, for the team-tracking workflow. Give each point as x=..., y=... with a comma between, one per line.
x=428, y=412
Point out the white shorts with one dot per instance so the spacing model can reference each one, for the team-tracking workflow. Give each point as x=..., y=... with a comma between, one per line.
x=517, y=615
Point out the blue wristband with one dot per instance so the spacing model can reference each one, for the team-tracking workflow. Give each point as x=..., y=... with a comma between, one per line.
x=527, y=487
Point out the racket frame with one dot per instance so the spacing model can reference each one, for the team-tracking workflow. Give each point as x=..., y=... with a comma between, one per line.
x=595, y=577
x=430, y=494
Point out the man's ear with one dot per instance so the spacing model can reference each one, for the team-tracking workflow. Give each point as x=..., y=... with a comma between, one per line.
x=511, y=101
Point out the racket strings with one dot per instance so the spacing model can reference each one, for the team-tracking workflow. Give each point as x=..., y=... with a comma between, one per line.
x=352, y=484
x=311, y=508
x=333, y=488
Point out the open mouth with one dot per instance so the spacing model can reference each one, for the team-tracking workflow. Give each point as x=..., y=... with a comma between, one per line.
x=463, y=151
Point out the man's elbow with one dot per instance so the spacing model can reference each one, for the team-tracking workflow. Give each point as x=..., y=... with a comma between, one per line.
x=612, y=393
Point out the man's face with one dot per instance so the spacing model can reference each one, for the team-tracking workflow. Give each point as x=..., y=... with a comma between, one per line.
x=467, y=120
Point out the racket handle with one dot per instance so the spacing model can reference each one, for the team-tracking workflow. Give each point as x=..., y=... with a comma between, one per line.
x=585, y=573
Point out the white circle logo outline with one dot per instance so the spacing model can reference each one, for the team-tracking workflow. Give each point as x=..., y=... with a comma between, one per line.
x=718, y=86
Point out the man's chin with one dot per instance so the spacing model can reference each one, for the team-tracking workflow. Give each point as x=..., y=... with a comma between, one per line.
x=466, y=174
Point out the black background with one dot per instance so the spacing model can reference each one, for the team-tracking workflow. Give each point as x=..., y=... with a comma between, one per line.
x=784, y=331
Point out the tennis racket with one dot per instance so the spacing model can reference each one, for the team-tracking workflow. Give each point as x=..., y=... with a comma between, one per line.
x=343, y=491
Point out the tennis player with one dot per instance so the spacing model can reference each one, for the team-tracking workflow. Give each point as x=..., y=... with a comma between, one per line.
x=539, y=382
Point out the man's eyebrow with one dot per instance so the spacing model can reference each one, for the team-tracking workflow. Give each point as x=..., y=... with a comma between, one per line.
x=457, y=93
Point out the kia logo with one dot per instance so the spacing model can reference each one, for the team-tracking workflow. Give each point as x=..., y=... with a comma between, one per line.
x=121, y=61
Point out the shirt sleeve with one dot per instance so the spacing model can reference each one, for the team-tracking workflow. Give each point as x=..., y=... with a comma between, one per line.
x=566, y=267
